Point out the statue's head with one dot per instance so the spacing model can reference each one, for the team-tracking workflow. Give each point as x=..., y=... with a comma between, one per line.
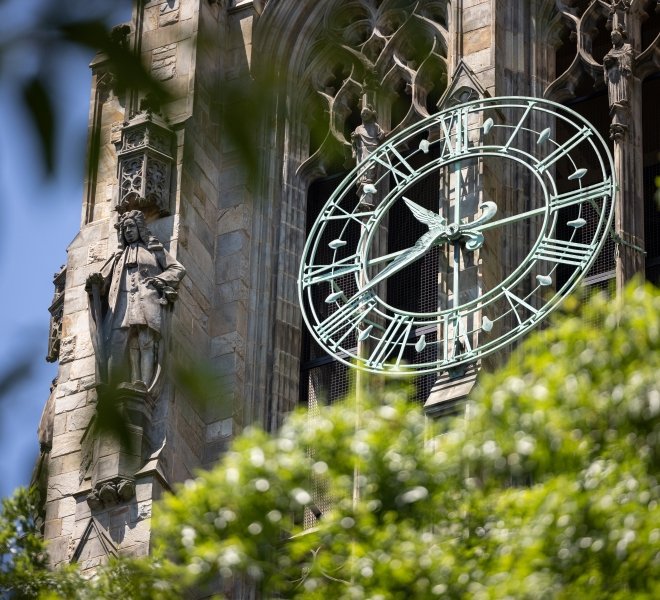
x=132, y=228
x=368, y=113
x=618, y=36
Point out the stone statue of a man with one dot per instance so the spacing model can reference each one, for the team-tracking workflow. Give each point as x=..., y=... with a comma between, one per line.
x=618, y=69
x=128, y=298
x=364, y=140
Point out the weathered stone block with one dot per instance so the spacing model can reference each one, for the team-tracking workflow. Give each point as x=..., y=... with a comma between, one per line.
x=144, y=489
x=71, y=401
x=480, y=61
x=231, y=267
x=234, y=218
x=59, y=424
x=87, y=383
x=231, y=291
x=68, y=524
x=83, y=510
x=58, y=550
x=475, y=17
x=168, y=13
x=66, y=443
x=80, y=418
x=82, y=367
x=226, y=344
x=67, y=349
x=231, y=243
x=52, y=510
x=62, y=485
x=64, y=464
x=476, y=40
x=220, y=429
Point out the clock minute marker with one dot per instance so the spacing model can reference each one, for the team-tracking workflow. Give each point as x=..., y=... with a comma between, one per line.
x=583, y=133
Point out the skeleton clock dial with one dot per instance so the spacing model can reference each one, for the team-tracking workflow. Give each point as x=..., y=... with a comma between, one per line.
x=520, y=205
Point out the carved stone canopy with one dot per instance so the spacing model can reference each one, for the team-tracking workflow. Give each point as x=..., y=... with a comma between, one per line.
x=145, y=159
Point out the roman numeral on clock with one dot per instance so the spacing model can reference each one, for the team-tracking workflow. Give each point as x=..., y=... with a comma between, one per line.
x=518, y=303
x=560, y=251
x=401, y=168
x=565, y=148
x=457, y=142
x=591, y=192
x=393, y=342
x=506, y=146
x=313, y=275
x=343, y=215
x=338, y=326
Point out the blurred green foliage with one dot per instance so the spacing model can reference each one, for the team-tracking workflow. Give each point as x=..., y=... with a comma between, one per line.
x=548, y=490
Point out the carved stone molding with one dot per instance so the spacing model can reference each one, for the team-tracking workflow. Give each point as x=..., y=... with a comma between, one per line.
x=145, y=160
x=55, y=310
x=95, y=546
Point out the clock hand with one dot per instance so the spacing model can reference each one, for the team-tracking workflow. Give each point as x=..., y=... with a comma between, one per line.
x=512, y=219
x=437, y=229
x=421, y=247
x=475, y=239
x=423, y=215
x=488, y=212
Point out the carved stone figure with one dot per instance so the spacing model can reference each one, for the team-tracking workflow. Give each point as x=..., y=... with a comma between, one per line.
x=128, y=298
x=364, y=140
x=618, y=69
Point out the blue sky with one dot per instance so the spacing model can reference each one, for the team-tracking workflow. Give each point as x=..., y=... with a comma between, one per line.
x=40, y=217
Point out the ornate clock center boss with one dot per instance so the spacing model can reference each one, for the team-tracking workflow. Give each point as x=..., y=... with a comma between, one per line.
x=471, y=226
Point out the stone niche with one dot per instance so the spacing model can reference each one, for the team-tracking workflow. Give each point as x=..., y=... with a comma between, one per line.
x=145, y=159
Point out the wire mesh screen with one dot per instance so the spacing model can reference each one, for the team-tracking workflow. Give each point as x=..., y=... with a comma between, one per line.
x=595, y=109
x=324, y=380
x=651, y=140
x=652, y=223
x=601, y=276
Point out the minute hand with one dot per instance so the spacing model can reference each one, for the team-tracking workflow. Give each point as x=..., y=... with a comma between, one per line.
x=471, y=231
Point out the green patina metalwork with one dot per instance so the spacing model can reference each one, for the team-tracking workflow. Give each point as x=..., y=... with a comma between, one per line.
x=356, y=323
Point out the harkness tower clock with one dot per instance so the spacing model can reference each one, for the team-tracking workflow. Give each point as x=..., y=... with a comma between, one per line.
x=558, y=209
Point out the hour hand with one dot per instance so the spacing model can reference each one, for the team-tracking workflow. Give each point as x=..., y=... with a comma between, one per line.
x=423, y=215
x=408, y=256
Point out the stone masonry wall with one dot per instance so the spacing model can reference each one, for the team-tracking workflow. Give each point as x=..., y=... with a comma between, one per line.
x=167, y=35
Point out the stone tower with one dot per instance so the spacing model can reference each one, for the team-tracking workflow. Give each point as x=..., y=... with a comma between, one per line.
x=222, y=182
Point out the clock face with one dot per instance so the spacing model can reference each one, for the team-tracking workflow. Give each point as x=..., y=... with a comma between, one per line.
x=478, y=221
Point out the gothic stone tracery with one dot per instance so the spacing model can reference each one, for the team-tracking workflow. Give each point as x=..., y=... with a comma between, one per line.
x=391, y=54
